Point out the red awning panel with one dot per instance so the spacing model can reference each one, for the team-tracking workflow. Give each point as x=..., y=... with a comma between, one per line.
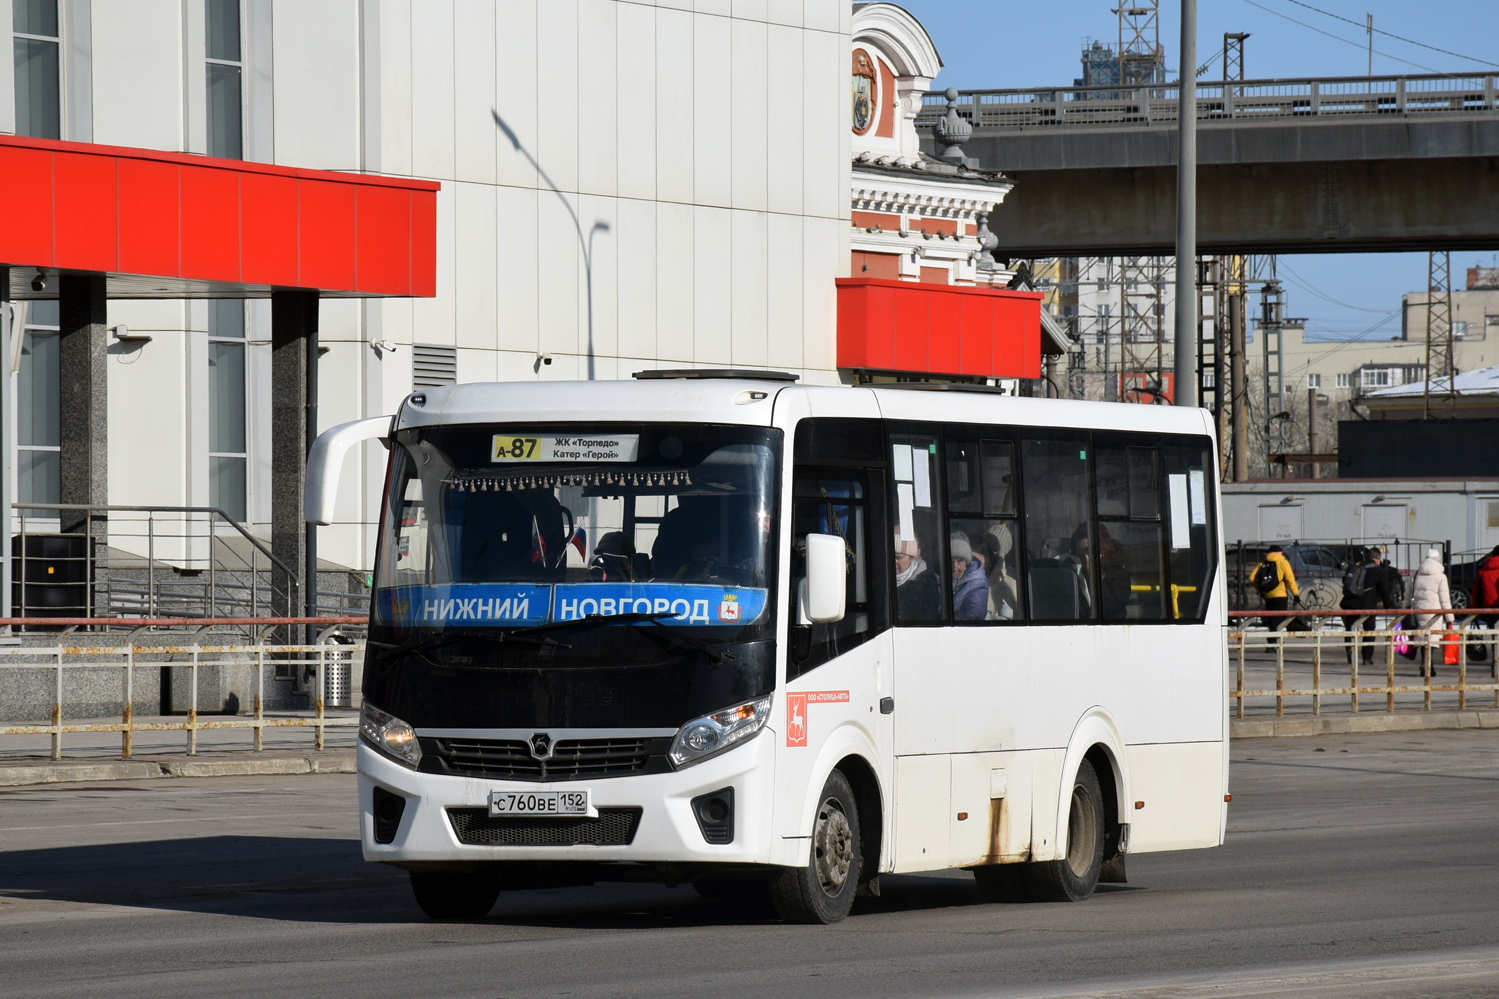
x=172, y=225
x=902, y=326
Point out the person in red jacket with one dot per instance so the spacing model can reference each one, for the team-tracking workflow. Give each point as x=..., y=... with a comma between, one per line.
x=1486, y=587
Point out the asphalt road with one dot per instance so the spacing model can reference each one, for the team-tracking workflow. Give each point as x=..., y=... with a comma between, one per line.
x=1355, y=866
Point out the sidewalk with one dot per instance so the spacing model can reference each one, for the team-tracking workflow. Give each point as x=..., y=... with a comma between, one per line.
x=91, y=756
x=219, y=758
x=15, y=774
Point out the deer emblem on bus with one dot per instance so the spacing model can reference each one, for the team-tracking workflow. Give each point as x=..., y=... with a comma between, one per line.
x=796, y=719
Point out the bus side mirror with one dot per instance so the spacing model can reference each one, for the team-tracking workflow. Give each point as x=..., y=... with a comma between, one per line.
x=824, y=591
x=326, y=461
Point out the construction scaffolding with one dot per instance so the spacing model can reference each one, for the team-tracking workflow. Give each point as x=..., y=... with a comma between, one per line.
x=1142, y=317
x=1141, y=58
x=1440, y=395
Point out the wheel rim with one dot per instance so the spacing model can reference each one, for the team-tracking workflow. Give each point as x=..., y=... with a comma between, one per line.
x=834, y=842
x=1082, y=832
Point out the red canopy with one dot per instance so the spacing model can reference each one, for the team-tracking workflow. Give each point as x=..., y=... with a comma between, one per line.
x=905, y=326
x=169, y=225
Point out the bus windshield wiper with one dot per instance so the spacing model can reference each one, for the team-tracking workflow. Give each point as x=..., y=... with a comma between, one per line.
x=498, y=638
x=655, y=618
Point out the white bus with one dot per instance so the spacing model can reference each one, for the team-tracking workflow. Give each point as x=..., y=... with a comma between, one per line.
x=720, y=628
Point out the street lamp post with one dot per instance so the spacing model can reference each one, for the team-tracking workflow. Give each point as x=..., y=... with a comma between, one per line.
x=1184, y=390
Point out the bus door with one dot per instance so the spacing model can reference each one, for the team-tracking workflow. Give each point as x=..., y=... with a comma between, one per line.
x=839, y=677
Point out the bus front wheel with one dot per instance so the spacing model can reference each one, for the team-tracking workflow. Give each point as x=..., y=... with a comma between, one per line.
x=1075, y=875
x=823, y=890
x=455, y=894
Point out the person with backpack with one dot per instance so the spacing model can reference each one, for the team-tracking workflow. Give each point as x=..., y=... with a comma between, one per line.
x=1365, y=586
x=1275, y=582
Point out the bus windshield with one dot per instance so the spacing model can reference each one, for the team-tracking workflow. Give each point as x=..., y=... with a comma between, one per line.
x=562, y=549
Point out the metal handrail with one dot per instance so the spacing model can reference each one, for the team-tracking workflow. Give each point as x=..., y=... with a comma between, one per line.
x=1113, y=103
x=121, y=508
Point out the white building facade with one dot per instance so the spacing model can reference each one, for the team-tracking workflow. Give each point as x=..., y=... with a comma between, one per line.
x=625, y=185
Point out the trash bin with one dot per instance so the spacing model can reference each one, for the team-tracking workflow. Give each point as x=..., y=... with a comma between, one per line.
x=338, y=663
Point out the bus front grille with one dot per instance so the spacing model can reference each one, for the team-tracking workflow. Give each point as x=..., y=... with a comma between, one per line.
x=613, y=827
x=571, y=759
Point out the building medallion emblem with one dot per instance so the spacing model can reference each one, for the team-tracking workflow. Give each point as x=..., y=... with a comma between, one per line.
x=863, y=93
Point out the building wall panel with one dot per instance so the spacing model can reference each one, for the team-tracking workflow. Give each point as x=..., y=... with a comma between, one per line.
x=598, y=85
x=635, y=100
x=474, y=80
x=434, y=136
x=675, y=119
x=316, y=52
x=138, y=62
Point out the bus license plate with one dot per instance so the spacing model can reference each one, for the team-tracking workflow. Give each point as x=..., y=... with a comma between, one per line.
x=562, y=804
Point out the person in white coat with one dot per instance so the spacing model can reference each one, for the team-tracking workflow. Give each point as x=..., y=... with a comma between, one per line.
x=1430, y=591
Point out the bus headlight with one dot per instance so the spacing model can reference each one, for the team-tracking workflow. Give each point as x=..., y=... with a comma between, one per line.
x=389, y=735
x=710, y=734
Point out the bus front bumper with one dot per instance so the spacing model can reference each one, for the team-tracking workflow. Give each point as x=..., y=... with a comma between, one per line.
x=667, y=830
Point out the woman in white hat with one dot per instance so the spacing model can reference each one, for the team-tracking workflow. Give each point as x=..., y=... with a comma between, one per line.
x=1429, y=591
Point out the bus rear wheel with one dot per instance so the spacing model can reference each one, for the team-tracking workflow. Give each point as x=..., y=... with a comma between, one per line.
x=823, y=891
x=1075, y=875
x=455, y=894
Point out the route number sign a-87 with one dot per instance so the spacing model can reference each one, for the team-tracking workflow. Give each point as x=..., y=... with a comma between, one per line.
x=516, y=448
x=590, y=448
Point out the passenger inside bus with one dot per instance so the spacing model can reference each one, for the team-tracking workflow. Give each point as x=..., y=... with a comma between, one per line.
x=613, y=559
x=511, y=535
x=709, y=538
x=970, y=594
x=916, y=594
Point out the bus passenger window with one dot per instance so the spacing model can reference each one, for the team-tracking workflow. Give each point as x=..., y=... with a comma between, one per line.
x=920, y=550
x=1192, y=526
x=1060, y=564
x=981, y=502
x=1132, y=582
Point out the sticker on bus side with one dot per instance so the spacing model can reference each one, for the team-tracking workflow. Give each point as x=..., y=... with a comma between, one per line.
x=616, y=447
x=796, y=711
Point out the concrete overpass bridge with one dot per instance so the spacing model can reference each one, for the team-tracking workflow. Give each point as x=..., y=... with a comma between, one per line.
x=1284, y=166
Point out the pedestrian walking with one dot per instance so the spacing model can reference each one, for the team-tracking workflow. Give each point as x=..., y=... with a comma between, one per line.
x=1486, y=589
x=1277, y=584
x=1430, y=592
x=1365, y=587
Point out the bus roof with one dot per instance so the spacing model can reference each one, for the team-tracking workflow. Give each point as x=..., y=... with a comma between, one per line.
x=752, y=402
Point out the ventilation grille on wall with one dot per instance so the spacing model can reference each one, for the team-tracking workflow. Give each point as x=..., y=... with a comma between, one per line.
x=432, y=365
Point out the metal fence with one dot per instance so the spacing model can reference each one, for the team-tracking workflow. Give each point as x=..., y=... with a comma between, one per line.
x=183, y=644
x=1310, y=661
x=1247, y=99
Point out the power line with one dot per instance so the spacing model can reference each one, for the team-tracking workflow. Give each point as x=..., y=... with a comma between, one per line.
x=1345, y=41
x=1387, y=34
x=1301, y=283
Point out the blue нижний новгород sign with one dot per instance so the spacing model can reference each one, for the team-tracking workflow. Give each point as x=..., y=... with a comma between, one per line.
x=520, y=604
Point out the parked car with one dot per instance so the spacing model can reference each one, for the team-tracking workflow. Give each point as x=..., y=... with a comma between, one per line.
x=1462, y=575
x=1318, y=569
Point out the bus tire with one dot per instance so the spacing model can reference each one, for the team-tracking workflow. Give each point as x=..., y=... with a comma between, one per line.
x=823, y=890
x=1074, y=876
x=455, y=894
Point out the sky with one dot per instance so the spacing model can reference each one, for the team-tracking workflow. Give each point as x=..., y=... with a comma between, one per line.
x=989, y=44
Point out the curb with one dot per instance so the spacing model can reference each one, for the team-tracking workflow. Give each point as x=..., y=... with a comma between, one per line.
x=66, y=773
x=1252, y=728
